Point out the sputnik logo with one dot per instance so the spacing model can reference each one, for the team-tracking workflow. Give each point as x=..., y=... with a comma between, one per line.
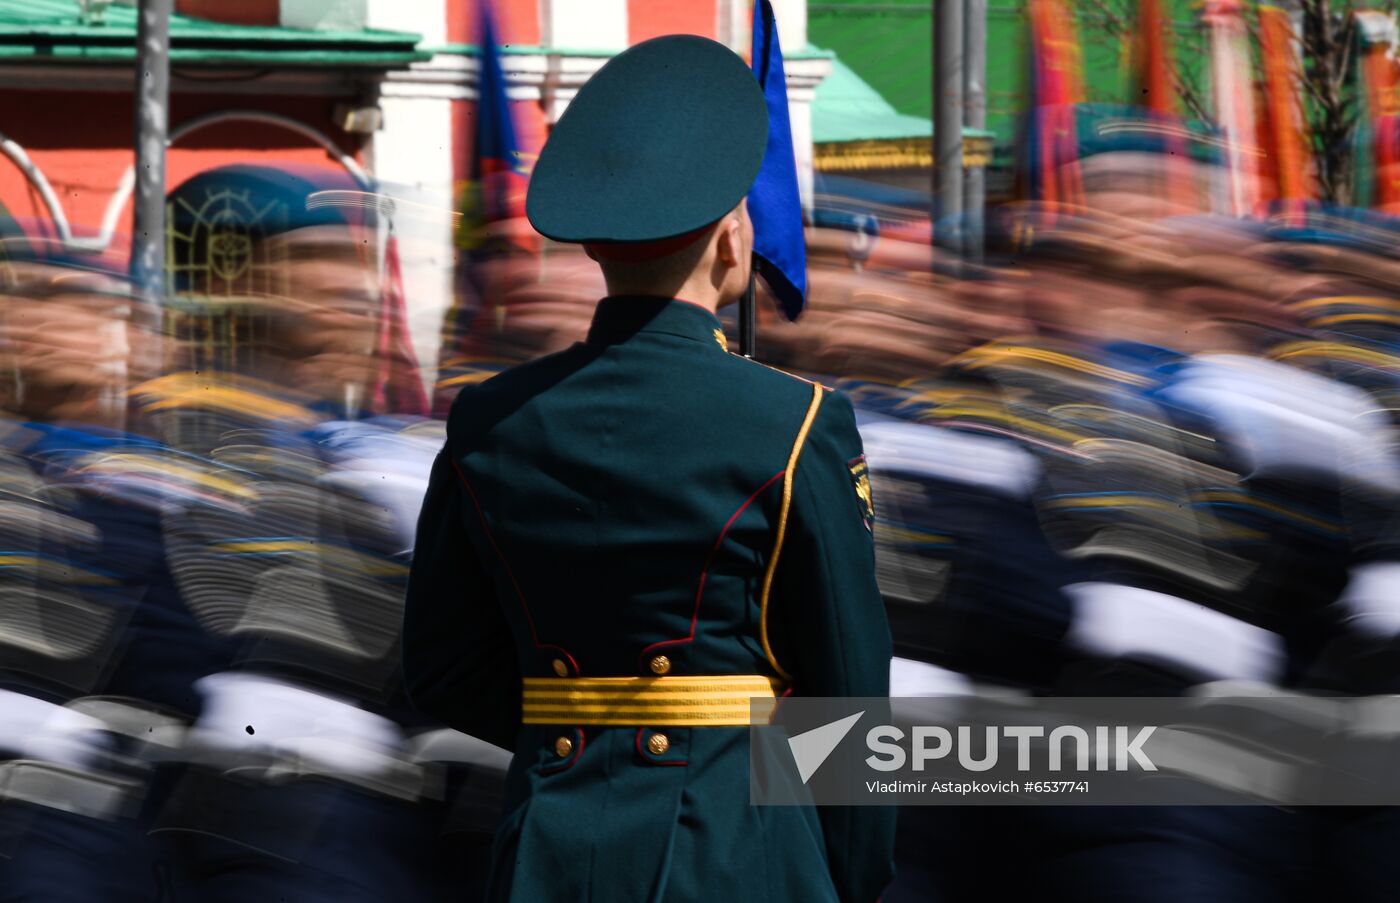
x=811, y=748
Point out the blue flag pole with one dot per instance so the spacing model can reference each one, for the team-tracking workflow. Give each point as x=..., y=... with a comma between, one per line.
x=748, y=337
x=774, y=202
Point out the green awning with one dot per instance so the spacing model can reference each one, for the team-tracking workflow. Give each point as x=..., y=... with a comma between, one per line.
x=854, y=128
x=43, y=31
x=847, y=109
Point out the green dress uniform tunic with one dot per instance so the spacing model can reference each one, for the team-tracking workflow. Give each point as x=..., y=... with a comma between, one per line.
x=646, y=505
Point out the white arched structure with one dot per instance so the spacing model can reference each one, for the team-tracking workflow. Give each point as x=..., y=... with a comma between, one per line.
x=103, y=239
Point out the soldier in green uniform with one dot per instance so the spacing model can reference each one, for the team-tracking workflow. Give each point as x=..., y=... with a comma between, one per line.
x=624, y=542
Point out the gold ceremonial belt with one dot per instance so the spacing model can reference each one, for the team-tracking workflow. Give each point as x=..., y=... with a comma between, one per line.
x=702, y=701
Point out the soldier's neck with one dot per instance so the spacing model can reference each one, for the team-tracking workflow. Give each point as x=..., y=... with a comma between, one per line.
x=696, y=291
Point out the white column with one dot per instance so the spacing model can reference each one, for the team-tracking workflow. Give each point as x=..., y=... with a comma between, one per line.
x=413, y=165
x=569, y=25
x=412, y=155
x=584, y=24
x=803, y=76
x=732, y=25
x=792, y=24
x=425, y=17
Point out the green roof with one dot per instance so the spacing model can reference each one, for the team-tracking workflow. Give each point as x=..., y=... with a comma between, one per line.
x=53, y=31
x=847, y=109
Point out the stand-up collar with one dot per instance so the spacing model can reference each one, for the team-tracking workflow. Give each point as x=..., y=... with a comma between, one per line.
x=619, y=317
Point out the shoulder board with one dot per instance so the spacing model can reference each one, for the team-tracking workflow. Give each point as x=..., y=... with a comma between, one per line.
x=240, y=397
x=162, y=477
x=810, y=382
x=1043, y=359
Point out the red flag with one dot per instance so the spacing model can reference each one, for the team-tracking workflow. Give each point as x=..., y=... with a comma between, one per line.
x=1051, y=167
x=1152, y=89
x=1285, y=133
x=495, y=190
x=1152, y=85
x=398, y=388
x=1380, y=114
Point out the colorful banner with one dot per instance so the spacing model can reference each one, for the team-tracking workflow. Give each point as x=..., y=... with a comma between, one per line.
x=1233, y=88
x=1377, y=148
x=398, y=388
x=1284, y=135
x=1151, y=86
x=492, y=197
x=1049, y=167
x=495, y=190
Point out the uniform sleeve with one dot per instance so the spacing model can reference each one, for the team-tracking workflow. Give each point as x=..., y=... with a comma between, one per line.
x=459, y=658
x=828, y=624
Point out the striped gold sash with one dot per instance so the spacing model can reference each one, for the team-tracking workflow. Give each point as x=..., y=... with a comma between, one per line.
x=700, y=701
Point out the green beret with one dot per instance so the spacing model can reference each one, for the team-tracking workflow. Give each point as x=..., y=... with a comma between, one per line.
x=663, y=140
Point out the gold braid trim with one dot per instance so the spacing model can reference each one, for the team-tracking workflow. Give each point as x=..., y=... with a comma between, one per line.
x=782, y=527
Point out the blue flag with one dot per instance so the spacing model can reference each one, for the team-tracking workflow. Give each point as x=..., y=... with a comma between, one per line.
x=495, y=186
x=496, y=148
x=774, y=204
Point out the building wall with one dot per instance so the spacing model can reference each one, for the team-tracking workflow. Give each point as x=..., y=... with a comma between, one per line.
x=421, y=154
x=648, y=19
x=84, y=154
x=517, y=21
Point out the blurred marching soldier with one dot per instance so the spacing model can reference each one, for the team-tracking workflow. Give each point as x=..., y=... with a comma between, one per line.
x=81, y=563
x=302, y=781
x=496, y=249
x=975, y=598
x=1356, y=648
x=624, y=542
x=1197, y=491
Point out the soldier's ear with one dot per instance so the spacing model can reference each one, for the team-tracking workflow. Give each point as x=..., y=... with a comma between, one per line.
x=729, y=242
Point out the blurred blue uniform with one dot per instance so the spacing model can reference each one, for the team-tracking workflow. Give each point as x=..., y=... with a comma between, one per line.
x=301, y=780
x=112, y=624
x=1172, y=584
x=973, y=593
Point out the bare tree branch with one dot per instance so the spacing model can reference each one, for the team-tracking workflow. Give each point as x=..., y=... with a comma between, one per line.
x=1121, y=22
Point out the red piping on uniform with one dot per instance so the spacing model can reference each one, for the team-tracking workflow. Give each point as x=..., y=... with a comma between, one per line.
x=491, y=538
x=778, y=704
x=709, y=560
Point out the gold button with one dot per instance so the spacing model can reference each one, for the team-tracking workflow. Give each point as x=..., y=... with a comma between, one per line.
x=658, y=744
x=560, y=668
x=661, y=665
x=563, y=746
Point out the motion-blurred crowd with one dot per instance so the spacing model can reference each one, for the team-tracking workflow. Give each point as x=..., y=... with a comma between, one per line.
x=1130, y=455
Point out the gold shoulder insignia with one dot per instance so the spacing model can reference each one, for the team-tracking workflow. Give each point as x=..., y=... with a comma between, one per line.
x=860, y=478
x=719, y=337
